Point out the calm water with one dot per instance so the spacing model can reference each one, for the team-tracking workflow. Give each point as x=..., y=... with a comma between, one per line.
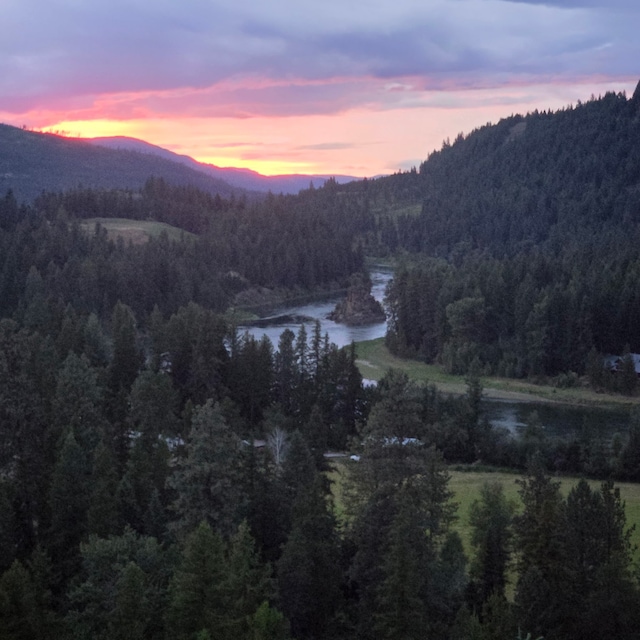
x=557, y=420
x=340, y=334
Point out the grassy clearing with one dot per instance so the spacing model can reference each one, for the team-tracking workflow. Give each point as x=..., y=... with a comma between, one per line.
x=374, y=359
x=236, y=316
x=465, y=486
x=397, y=210
x=136, y=231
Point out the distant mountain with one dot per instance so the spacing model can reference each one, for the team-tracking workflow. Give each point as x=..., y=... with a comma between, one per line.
x=242, y=178
x=34, y=162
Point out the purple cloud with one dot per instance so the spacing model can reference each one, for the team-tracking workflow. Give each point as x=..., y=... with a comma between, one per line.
x=204, y=57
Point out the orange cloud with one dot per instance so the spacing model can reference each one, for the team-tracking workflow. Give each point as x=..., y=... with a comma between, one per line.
x=400, y=125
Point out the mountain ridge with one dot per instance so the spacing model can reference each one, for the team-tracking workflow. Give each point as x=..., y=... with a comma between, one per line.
x=32, y=162
x=238, y=177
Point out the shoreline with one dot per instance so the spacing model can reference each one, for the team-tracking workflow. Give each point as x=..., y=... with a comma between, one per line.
x=374, y=359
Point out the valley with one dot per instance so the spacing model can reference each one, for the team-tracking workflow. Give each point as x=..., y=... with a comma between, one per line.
x=162, y=459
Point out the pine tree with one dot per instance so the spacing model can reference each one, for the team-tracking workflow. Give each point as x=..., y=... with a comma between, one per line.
x=45, y=622
x=598, y=556
x=369, y=536
x=316, y=433
x=268, y=624
x=96, y=348
x=122, y=578
x=68, y=501
x=126, y=359
x=541, y=564
x=153, y=418
x=18, y=607
x=627, y=376
x=210, y=357
x=491, y=519
x=309, y=582
x=130, y=617
x=27, y=369
x=196, y=592
x=400, y=611
x=153, y=406
x=309, y=575
x=207, y=482
x=8, y=526
x=315, y=352
x=630, y=458
x=246, y=586
x=393, y=449
x=154, y=521
x=102, y=516
x=399, y=482
x=77, y=403
x=285, y=372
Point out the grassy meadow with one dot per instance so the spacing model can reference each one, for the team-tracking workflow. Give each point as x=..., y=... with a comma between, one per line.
x=135, y=231
x=465, y=486
x=374, y=359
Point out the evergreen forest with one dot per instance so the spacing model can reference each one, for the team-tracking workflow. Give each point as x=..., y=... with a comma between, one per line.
x=163, y=475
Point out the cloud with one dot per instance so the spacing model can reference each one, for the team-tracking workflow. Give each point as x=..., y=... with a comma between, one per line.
x=205, y=56
x=326, y=146
x=316, y=84
x=612, y=4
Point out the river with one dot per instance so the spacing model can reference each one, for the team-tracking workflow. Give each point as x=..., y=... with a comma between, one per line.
x=557, y=420
x=291, y=317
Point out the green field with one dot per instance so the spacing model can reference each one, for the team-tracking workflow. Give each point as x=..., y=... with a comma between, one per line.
x=136, y=231
x=397, y=210
x=466, y=485
x=374, y=359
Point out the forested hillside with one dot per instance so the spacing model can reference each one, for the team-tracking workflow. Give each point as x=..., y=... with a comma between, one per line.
x=31, y=163
x=524, y=252
x=279, y=242
x=164, y=477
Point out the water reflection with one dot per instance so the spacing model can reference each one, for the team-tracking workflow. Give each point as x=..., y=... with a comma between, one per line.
x=558, y=420
x=340, y=334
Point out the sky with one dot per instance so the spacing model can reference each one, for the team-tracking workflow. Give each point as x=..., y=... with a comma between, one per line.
x=339, y=87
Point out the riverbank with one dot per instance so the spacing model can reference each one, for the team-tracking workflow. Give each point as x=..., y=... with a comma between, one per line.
x=374, y=359
x=258, y=302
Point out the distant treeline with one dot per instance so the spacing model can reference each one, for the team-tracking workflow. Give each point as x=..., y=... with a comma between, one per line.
x=279, y=242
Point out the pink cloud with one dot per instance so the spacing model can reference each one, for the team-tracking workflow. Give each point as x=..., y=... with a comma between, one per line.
x=212, y=78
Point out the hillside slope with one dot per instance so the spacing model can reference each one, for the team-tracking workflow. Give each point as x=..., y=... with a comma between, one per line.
x=522, y=182
x=34, y=162
x=241, y=178
x=521, y=244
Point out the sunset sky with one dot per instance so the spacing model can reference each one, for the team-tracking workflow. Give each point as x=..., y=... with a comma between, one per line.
x=357, y=87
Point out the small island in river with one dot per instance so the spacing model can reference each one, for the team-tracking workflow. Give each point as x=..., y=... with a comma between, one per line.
x=359, y=307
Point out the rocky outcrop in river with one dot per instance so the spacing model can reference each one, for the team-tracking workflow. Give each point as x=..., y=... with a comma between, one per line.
x=359, y=307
